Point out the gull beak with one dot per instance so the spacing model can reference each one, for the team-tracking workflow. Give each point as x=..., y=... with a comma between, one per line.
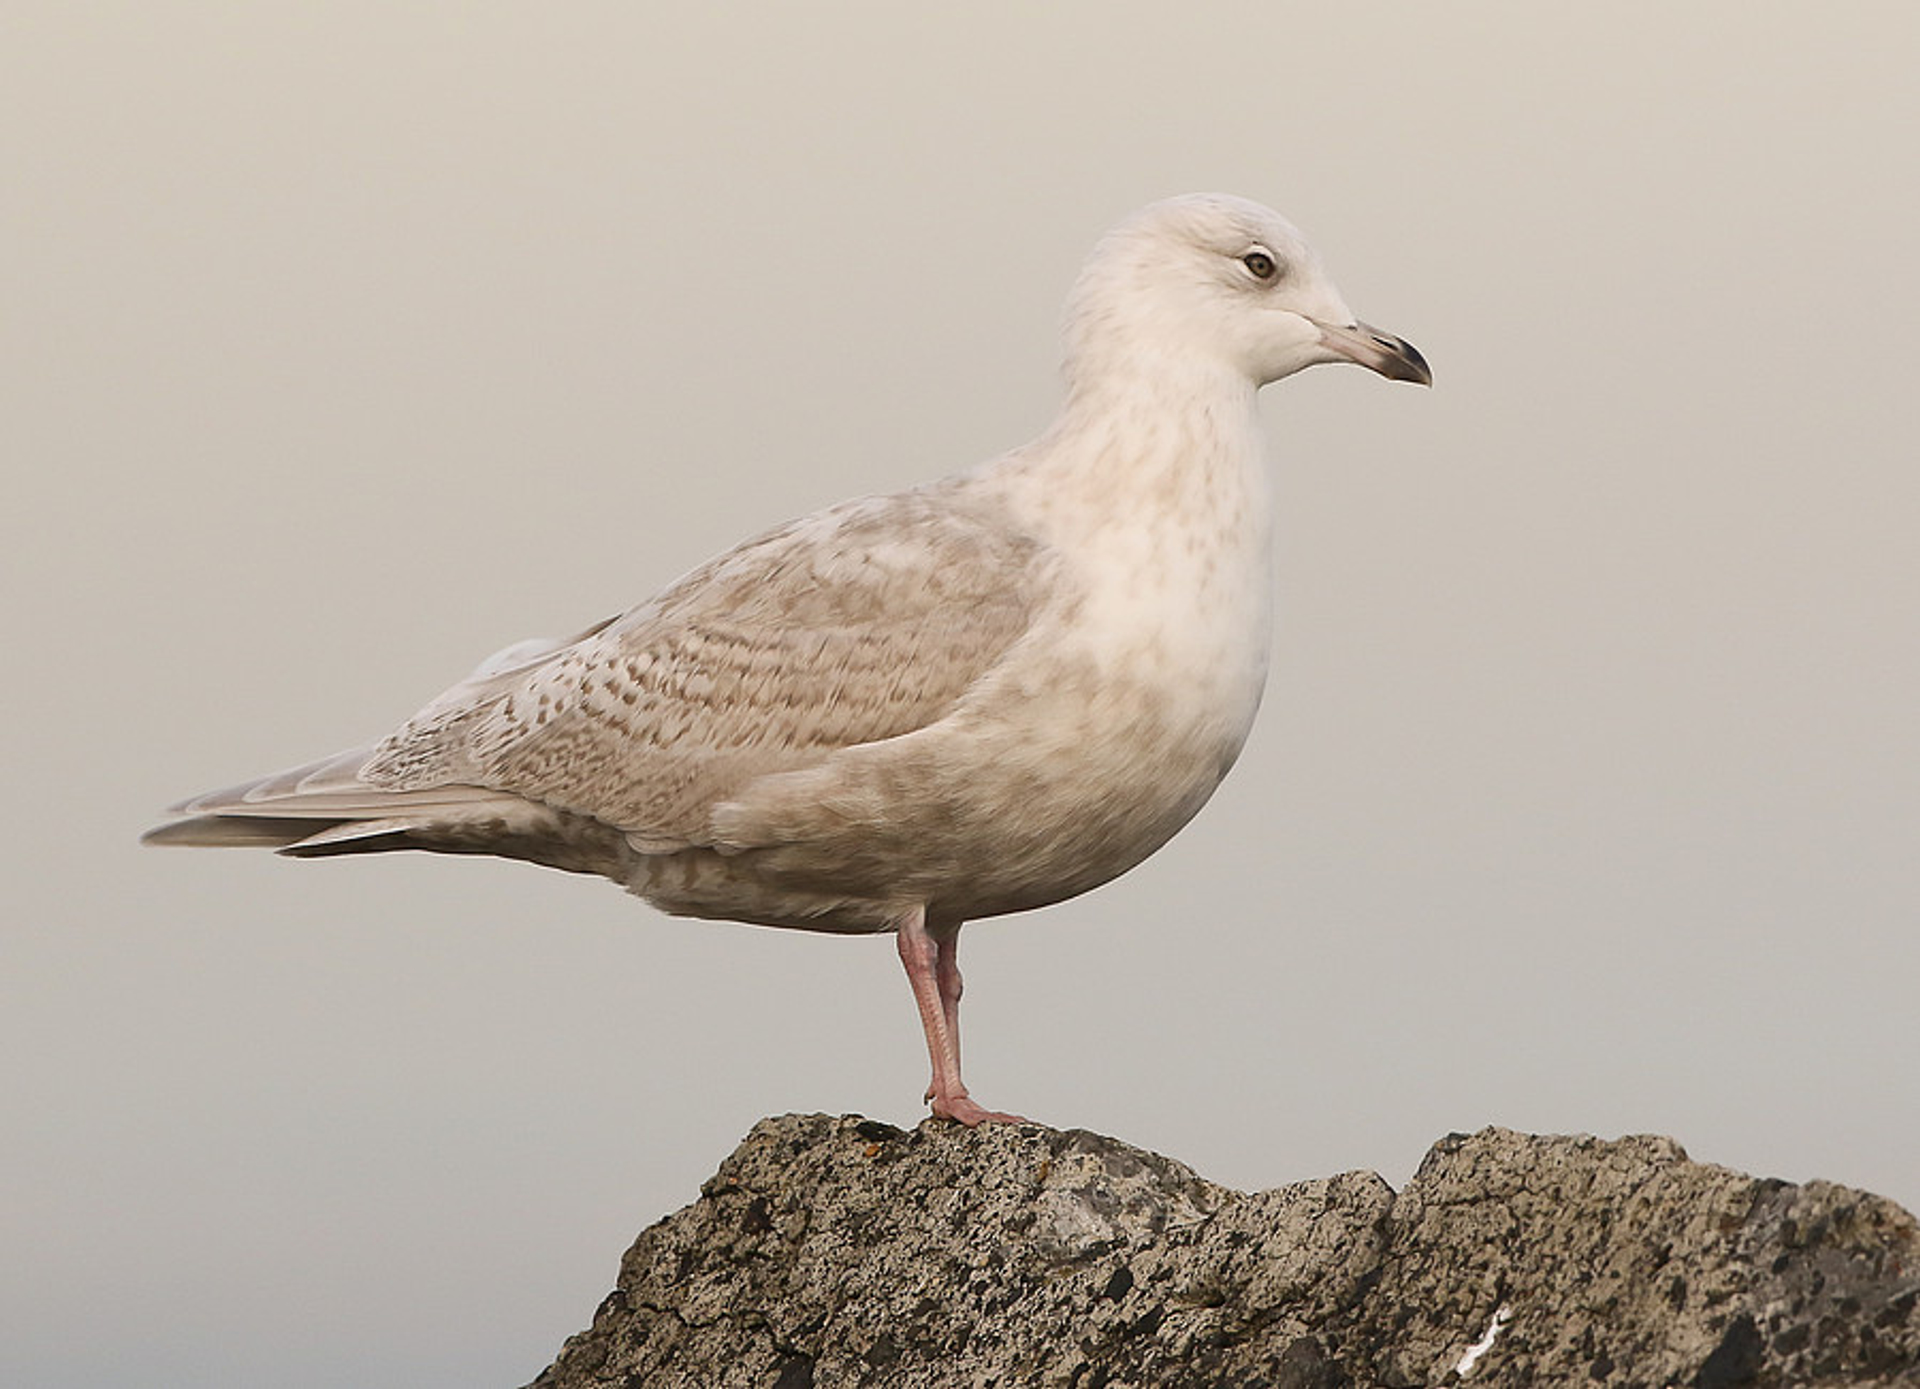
x=1394, y=358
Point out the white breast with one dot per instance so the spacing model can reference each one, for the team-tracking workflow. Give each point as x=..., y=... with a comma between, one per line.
x=1167, y=541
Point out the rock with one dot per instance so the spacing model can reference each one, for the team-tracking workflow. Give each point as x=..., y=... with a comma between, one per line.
x=841, y=1251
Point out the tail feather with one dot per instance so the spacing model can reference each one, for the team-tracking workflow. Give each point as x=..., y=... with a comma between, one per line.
x=233, y=832
x=323, y=807
x=326, y=807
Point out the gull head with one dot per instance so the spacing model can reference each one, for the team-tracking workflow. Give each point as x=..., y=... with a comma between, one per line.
x=1221, y=283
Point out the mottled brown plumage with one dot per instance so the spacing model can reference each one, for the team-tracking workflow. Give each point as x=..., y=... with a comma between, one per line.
x=979, y=696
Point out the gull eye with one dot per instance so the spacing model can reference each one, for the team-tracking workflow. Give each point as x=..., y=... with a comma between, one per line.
x=1260, y=262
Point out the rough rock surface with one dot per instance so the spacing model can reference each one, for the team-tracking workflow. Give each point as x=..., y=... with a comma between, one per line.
x=841, y=1251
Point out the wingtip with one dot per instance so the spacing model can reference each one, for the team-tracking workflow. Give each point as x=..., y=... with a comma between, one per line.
x=228, y=832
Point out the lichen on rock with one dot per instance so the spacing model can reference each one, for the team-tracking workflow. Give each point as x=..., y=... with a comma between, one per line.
x=841, y=1251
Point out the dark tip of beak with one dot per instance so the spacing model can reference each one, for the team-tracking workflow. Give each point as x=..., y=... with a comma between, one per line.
x=1394, y=358
x=1414, y=365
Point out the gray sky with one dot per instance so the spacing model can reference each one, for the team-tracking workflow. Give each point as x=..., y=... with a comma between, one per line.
x=345, y=344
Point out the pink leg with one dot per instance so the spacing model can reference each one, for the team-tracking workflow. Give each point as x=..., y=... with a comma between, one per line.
x=934, y=973
x=947, y=972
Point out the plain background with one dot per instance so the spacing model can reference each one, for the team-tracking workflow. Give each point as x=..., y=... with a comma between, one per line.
x=344, y=344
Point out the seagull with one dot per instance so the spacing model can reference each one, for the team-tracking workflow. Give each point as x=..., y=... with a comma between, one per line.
x=981, y=695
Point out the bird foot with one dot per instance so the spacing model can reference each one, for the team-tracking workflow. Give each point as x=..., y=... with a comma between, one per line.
x=963, y=1110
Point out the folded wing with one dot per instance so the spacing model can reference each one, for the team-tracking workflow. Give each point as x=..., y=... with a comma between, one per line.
x=860, y=623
